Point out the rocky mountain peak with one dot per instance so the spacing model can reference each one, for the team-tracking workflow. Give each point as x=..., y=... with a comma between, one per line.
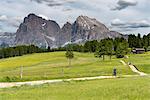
x=86, y=28
x=43, y=33
x=38, y=31
x=65, y=34
x=31, y=17
x=67, y=25
x=90, y=23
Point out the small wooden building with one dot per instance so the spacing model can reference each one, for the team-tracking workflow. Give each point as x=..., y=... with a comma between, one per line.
x=138, y=50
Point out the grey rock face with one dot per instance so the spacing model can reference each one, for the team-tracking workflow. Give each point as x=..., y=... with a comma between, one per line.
x=38, y=31
x=114, y=34
x=64, y=34
x=43, y=33
x=85, y=29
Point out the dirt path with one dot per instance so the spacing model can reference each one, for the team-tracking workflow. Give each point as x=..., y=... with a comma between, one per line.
x=123, y=62
x=12, y=84
x=133, y=68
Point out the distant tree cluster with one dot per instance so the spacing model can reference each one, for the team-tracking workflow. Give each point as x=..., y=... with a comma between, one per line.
x=109, y=47
x=19, y=51
x=117, y=46
x=138, y=41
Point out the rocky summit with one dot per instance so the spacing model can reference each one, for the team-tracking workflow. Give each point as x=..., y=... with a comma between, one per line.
x=38, y=31
x=85, y=28
x=43, y=33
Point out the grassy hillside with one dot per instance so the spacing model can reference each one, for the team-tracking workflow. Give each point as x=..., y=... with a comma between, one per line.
x=142, y=61
x=55, y=65
x=136, y=88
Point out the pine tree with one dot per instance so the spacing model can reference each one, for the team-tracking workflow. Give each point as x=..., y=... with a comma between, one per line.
x=69, y=56
x=109, y=48
x=122, y=49
x=101, y=50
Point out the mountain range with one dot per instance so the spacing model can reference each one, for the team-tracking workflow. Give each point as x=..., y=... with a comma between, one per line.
x=43, y=33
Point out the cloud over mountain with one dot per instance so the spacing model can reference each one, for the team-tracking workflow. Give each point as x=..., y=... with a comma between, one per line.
x=53, y=3
x=68, y=10
x=10, y=21
x=3, y=18
x=122, y=4
x=117, y=23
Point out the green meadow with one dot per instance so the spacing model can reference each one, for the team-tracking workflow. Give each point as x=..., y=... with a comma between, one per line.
x=54, y=65
x=135, y=88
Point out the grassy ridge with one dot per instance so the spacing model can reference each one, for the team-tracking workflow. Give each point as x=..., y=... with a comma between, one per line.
x=55, y=65
x=135, y=88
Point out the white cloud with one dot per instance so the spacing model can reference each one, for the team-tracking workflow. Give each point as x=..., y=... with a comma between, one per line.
x=53, y=3
x=15, y=21
x=117, y=22
x=70, y=9
x=139, y=24
x=132, y=24
x=3, y=18
x=11, y=21
x=18, y=18
x=122, y=4
x=43, y=16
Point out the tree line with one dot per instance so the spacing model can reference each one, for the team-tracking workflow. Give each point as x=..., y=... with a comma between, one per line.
x=139, y=41
x=117, y=46
x=19, y=51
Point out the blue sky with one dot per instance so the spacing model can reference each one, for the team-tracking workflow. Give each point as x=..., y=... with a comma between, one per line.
x=125, y=16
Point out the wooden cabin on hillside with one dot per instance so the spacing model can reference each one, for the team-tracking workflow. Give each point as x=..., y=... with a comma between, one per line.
x=138, y=51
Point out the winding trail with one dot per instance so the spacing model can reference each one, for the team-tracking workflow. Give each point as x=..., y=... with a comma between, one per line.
x=12, y=84
x=133, y=68
x=32, y=83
